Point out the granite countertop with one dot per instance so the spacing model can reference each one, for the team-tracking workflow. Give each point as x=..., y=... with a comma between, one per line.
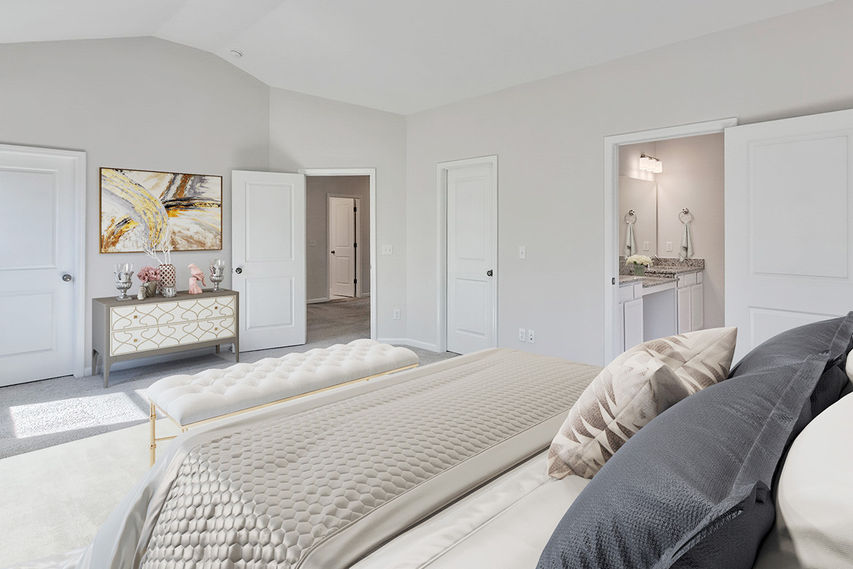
x=648, y=281
x=671, y=267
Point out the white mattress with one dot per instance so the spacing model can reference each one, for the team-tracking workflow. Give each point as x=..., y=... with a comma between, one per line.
x=504, y=524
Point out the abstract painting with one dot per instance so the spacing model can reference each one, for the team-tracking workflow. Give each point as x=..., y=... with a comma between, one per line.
x=139, y=208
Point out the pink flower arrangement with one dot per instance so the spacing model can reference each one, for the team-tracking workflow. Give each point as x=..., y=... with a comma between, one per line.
x=148, y=274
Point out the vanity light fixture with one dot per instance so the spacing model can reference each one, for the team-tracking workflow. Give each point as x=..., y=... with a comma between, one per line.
x=650, y=164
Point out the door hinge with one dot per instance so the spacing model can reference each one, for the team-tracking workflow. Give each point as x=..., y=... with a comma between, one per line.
x=355, y=281
x=613, y=280
x=355, y=245
x=354, y=209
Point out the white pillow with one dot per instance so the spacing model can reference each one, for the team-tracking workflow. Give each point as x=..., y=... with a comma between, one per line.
x=814, y=501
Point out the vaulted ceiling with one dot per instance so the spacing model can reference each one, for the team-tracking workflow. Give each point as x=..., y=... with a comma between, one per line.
x=396, y=55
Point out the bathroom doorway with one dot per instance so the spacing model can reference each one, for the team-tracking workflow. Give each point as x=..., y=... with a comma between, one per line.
x=664, y=203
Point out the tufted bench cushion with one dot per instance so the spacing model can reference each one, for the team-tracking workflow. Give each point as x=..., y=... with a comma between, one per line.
x=212, y=393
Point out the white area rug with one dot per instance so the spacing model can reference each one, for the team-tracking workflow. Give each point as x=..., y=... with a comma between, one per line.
x=55, y=499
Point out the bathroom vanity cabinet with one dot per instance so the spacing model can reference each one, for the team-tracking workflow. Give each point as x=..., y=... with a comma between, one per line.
x=691, y=304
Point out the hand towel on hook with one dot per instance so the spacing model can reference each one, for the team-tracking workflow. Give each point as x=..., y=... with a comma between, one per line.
x=686, y=251
x=630, y=243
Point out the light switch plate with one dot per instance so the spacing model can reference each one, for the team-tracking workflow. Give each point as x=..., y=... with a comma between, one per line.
x=387, y=250
x=668, y=246
x=522, y=252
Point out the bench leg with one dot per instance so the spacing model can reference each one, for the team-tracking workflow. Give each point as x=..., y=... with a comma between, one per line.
x=153, y=445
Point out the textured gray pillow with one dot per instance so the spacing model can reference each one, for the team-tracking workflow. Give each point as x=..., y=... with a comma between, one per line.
x=632, y=390
x=692, y=488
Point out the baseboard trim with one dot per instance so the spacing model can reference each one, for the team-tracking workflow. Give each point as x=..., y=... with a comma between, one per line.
x=409, y=342
x=316, y=300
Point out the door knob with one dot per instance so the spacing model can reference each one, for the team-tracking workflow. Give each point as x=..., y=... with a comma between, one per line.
x=333, y=252
x=490, y=273
x=238, y=270
x=67, y=278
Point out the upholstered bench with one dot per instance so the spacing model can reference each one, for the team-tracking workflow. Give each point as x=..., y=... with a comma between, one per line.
x=189, y=400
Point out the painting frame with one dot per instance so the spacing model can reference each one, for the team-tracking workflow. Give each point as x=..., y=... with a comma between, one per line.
x=134, y=202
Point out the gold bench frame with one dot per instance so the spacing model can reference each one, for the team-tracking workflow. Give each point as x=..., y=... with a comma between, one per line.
x=154, y=408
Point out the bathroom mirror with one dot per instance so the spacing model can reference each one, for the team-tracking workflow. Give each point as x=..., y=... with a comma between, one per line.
x=640, y=196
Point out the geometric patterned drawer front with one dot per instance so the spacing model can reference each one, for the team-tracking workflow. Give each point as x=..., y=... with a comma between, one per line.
x=143, y=339
x=170, y=313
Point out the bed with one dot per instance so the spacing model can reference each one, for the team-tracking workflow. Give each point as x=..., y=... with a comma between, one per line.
x=292, y=485
x=438, y=467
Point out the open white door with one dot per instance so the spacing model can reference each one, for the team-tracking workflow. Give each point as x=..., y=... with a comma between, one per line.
x=342, y=246
x=471, y=187
x=268, y=257
x=789, y=240
x=41, y=275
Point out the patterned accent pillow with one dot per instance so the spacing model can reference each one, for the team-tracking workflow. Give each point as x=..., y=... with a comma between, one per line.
x=635, y=388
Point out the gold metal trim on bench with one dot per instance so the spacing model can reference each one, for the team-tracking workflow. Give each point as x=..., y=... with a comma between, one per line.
x=154, y=408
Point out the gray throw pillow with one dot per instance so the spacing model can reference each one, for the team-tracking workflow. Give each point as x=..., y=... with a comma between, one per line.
x=693, y=488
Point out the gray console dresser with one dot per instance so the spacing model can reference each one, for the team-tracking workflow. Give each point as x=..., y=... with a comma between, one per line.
x=129, y=329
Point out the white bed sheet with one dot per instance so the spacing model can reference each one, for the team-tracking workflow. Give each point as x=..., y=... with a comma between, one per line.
x=504, y=524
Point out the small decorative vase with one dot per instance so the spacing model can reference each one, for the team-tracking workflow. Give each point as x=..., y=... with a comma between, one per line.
x=167, y=279
x=150, y=288
x=639, y=270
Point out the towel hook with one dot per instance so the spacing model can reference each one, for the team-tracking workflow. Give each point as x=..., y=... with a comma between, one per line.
x=684, y=215
x=630, y=217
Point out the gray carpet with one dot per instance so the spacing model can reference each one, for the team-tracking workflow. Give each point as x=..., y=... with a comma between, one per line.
x=53, y=411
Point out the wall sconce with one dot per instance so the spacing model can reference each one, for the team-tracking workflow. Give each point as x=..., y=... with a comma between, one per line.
x=650, y=164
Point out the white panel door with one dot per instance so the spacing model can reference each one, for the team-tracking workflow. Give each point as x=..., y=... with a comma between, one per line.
x=342, y=246
x=471, y=256
x=38, y=257
x=789, y=254
x=268, y=257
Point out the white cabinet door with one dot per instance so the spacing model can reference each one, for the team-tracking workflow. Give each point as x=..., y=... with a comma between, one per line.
x=620, y=328
x=697, y=307
x=685, y=323
x=789, y=237
x=268, y=257
x=633, y=322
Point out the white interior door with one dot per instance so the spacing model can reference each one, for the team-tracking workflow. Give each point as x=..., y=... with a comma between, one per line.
x=268, y=257
x=789, y=205
x=342, y=246
x=39, y=264
x=471, y=255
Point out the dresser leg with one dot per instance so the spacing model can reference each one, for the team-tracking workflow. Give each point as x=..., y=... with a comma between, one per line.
x=94, y=362
x=106, y=372
x=217, y=348
x=237, y=352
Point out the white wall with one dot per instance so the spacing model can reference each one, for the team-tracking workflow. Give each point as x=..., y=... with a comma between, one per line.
x=318, y=189
x=692, y=177
x=139, y=103
x=548, y=138
x=308, y=132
